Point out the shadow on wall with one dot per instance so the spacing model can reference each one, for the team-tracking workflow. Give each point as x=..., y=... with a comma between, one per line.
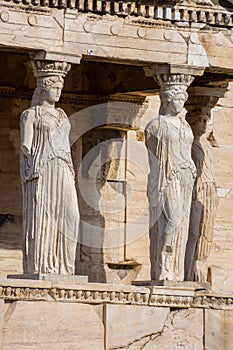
x=98, y=181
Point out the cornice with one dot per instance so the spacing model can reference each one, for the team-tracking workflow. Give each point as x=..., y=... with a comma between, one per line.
x=173, y=11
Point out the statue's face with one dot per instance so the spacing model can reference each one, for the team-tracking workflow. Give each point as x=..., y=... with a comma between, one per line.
x=54, y=92
x=199, y=127
x=177, y=103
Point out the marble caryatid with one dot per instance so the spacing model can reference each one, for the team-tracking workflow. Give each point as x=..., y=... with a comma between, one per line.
x=170, y=182
x=51, y=213
x=204, y=201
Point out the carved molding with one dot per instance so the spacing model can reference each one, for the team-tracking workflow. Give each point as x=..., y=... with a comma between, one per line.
x=171, y=300
x=213, y=302
x=203, y=11
x=100, y=296
x=23, y=293
x=12, y=290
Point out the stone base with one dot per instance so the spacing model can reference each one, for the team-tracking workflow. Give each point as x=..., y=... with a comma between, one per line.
x=107, y=316
x=51, y=277
x=174, y=284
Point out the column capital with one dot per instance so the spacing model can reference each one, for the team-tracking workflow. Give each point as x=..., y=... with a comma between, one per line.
x=154, y=69
x=206, y=96
x=42, y=68
x=56, y=56
x=202, y=100
x=216, y=89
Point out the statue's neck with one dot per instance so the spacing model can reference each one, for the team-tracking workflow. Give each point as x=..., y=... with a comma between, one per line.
x=197, y=138
x=169, y=114
x=47, y=104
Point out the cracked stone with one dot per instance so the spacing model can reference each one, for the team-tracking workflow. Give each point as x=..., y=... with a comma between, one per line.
x=183, y=330
x=128, y=326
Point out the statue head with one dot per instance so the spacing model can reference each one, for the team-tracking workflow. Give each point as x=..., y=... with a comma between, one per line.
x=50, y=79
x=173, y=100
x=173, y=93
x=47, y=86
x=198, y=120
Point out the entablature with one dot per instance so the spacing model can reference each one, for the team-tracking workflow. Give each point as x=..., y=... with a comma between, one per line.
x=137, y=33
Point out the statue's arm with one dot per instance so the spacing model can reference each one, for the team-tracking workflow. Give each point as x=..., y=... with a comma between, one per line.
x=154, y=179
x=26, y=128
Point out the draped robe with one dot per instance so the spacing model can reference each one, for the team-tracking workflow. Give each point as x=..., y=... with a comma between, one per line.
x=203, y=210
x=170, y=185
x=51, y=213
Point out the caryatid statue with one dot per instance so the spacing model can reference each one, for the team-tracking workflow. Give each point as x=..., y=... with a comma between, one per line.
x=204, y=201
x=172, y=174
x=51, y=213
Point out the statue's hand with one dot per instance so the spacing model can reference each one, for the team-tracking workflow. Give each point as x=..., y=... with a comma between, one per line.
x=25, y=151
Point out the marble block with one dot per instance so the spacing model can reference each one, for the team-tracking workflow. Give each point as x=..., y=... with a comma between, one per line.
x=186, y=285
x=51, y=277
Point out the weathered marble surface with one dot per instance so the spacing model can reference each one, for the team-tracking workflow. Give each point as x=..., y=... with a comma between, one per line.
x=83, y=35
x=103, y=316
x=52, y=326
x=170, y=182
x=3, y=310
x=204, y=201
x=218, y=329
x=182, y=330
x=128, y=324
x=50, y=206
x=221, y=253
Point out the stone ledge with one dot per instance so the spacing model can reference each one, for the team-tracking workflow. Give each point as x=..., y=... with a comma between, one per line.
x=103, y=293
x=51, y=277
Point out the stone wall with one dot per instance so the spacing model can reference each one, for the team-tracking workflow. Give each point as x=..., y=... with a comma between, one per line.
x=221, y=256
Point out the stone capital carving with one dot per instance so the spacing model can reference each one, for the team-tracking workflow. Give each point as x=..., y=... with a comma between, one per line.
x=42, y=69
x=197, y=104
x=168, y=82
x=154, y=69
x=51, y=55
